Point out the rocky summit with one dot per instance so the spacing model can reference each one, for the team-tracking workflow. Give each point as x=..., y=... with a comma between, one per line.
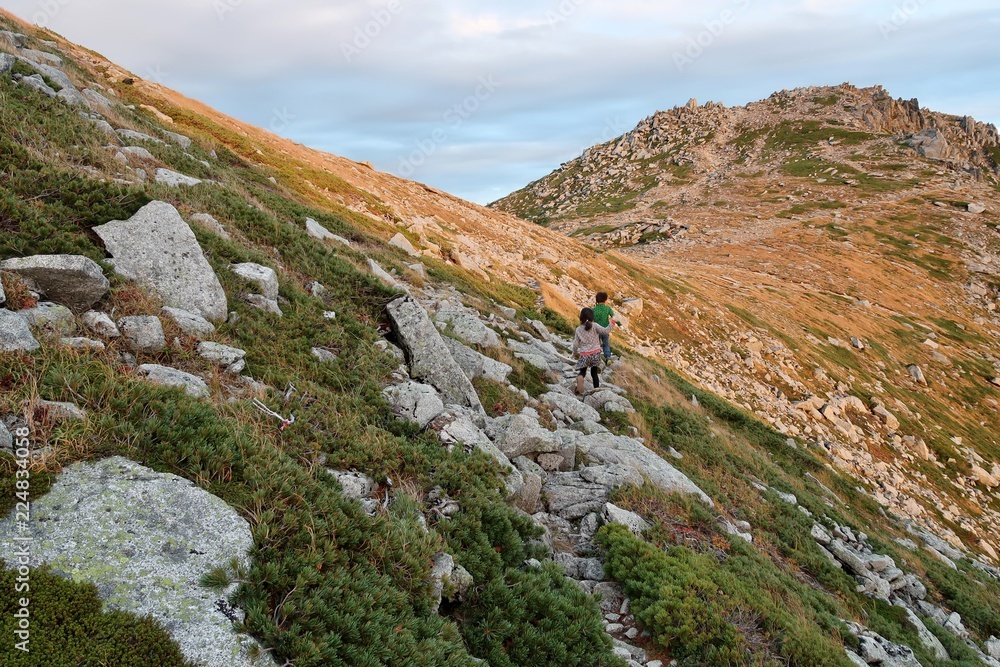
x=262, y=405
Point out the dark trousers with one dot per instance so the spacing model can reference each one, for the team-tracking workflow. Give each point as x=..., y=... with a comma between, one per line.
x=595, y=375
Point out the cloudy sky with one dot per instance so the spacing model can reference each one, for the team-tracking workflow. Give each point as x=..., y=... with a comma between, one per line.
x=480, y=98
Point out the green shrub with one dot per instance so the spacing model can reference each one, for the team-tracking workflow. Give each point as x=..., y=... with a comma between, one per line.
x=68, y=628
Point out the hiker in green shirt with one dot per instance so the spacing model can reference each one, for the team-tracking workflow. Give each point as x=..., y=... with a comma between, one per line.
x=603, y=315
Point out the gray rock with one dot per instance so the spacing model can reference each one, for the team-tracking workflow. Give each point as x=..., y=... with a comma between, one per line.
x=605, y=399
x=517, y=435
x=157, y=249
x=6, y=439
x=403, y=243
x=179, y=139
x=927, y=638
x=262, y=276
x=144, y=333
x=323, y=354
x=54, y=74
x=101, y=324
x=606, y=448
x=614, y=514
x=210, y=223
x=573, y=495
x=384, y=276
x=42, y=57
x=138, y=136
x=97, y=101
x=931, y=143
x=15, y=334
x=171, y=377
x=412, y=401
x=3, y=295
x=192, y=324
x=50, y=317
x=60, y=412
x=175, y=179
x=144, y=539
x=855, y=659
x=442, y=568
x=992, y=647
x=457, y=426
x=428, y=356
x=233, y=359
x=871, y=650
x=917, y=373
x=848, y=556
x=70, y=280
x=820, y=534
x=16, y=40
x=612, y=596
x=83, y=344
x=137, y=152
x=466, y=324
x=73, y=97
x=6, y=62
x=976, y=208
x=36, y=82
x=318, y=231
x=533, y=476
x=476, y=365
x=571, y=407
x=261, y=302
x=355, y=485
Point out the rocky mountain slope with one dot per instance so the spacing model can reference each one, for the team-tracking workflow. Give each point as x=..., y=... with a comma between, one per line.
x=266, y=405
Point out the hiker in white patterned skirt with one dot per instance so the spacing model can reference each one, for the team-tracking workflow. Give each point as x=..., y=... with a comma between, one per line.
x=587, y=348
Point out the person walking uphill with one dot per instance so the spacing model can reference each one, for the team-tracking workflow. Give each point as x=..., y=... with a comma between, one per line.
x=587, y=346
x=602, y=316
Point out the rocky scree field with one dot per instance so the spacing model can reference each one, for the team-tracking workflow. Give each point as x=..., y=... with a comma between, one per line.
x=177, y=287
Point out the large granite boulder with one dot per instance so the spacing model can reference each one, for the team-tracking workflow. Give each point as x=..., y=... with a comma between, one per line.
x=70, y=280
x=157, y=249
x=144, y=539
x=521, y=434
x=15, y=334
x=428, y=356
x=610, y=449
x=574, y=495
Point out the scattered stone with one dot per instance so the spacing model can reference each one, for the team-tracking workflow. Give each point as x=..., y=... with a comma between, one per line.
x=917, y=374
x=156, y=248
x=15, y=334
x=70, y=280
x=355, y=485
x=261, y=302
x=36, y=82
x=192, y=324
x=136, y=152
x=429, y=357
x=318, y=231
x=161, y=532
x=977, y=208
x=100, y=324
x=144, y=333
x=6, y=63
x=262, y=276
x=6, y=439
x=171, y=377
x=61, y=412
x=179, y=139
x=614, y=514
x=232, y=359
x=403, y=243
x=210, y=223
x=324, y=355
x=83, y=344
x=384, y=276
x=175, y=179
x=50, y=317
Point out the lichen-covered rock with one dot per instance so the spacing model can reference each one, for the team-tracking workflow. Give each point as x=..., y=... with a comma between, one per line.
x=613, y=514
x=176, y=179
x=476, y=365
x=144, y=539
x=355, y=485
x=520, y=434
x=192, y=324
x=466, y=324
x=100, y=324
x=412, y=401
x=429, y=357
x=261, y=302
x=144, y=333
x=232, y=359
x=157, y=249
x=171, y=377
x=73, y=281
x=15, y=334
x=606, y=448
x=262, y=276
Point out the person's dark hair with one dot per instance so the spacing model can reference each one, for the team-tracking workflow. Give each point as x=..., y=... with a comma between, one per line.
x=587, y=318
x=602, y=297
